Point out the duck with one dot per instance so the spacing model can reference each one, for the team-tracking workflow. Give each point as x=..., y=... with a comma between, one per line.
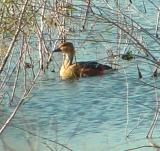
x=75, y=70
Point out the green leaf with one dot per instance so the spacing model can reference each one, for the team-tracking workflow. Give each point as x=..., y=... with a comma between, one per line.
x=128, y=56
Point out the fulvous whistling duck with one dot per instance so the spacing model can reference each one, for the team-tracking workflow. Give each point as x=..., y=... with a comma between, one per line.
x=71, y=70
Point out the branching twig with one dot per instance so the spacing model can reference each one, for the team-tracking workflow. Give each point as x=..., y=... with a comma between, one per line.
x=14, y=38
x=25, y=95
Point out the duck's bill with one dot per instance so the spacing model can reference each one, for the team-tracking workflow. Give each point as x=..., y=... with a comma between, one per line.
x=57, y=50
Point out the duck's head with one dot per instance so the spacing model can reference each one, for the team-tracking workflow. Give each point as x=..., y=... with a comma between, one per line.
x=66, y=48
x=68, y=51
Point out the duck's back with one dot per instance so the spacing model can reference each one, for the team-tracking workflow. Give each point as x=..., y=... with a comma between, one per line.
x=92, y=68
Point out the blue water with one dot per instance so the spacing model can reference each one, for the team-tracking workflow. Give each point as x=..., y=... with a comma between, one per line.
x=88, y=114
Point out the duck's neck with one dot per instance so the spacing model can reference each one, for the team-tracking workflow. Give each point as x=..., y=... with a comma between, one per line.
x=67, y=60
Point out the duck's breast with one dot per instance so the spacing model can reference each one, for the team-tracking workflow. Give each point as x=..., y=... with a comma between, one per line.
x=70, y=72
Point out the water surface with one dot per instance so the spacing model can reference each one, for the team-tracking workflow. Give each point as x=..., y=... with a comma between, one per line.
x=89, y=114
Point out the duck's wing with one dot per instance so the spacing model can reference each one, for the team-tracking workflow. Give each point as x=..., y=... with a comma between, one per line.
x=91, y=68
x=93, y=65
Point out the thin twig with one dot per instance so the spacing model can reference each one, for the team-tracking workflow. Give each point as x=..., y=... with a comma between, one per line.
x=14, y=38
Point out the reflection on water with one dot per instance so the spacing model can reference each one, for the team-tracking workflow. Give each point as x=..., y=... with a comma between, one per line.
x=89, y=114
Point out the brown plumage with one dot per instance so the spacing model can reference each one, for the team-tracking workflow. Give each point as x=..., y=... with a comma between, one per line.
x=70, y=70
